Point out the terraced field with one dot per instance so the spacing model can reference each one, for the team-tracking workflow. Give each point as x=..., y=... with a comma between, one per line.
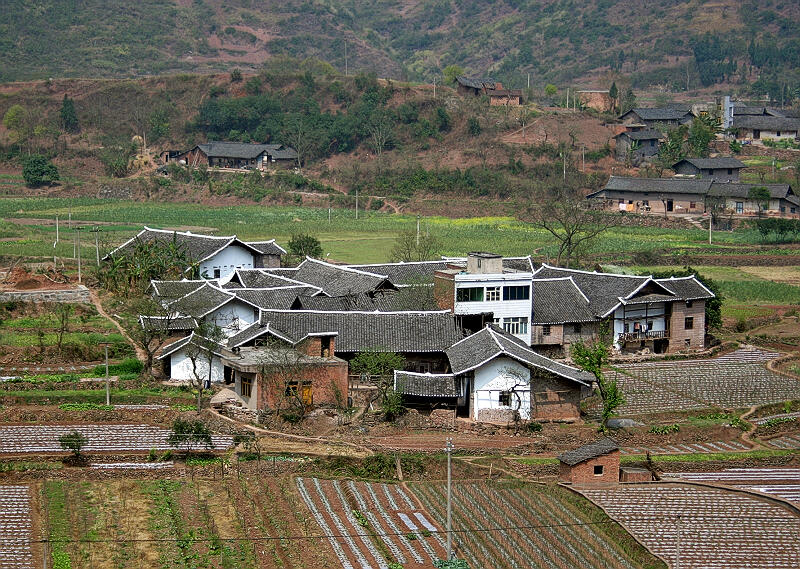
x=25, y=439
x=15, y=528
x=786, y=442
x=717, y=529
x=688, y=448
x=779, y=482
x=735, y=380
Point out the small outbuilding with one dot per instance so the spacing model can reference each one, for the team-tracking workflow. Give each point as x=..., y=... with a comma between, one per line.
x=593, y=463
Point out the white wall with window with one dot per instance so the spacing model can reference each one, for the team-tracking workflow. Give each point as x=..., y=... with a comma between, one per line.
x=502, y=383
x=223, y=264
x=506, y=296
x=233, y=317
x=181, y=368
x=644, y=320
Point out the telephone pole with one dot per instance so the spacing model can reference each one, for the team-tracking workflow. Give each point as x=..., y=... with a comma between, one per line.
x=449, y=450
x=78, y=246
x=678, y=544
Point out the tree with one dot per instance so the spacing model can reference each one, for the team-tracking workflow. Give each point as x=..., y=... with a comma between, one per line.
x=701, y=132
x=69, y=118
x=155, y=326
x=380, y=132
x=73, y=442
x=287, y=374
x=452, y=73
x=236, y=76
x=378, y=368
x=473, y=126
x=37, y=171
x=201, y=351
x=564, y=213
x=412, y=246
x=190, y=434
x=760, y=196
x=628, y=101
x=298, y=134
x=303, y=245
x=593, y=358
x=613, y=94
x=63, y=312
x=18, y=120
x=550, y=90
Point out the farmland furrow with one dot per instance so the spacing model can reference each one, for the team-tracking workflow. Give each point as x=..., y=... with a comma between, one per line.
x=376, y=523
x=393, y=527
x=323, y=524
x=356, y=528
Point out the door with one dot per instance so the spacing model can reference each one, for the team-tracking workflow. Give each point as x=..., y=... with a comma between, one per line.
x=756, y=134
x=669, y=205
x=306, y=395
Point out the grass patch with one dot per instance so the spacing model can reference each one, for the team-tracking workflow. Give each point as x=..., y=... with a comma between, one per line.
x=537, y=460
x=707, y=457
x=98, y=396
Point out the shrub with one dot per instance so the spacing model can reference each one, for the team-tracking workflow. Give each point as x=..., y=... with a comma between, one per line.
x=73, y=442
x=664, y=429
x=533, y=427
x=37, y=170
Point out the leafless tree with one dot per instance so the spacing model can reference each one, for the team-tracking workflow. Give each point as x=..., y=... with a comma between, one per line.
x=201, y=351
x=413, y=246
x=155, y=327
x=284, y=373
x=565, y=214
x=298, y=135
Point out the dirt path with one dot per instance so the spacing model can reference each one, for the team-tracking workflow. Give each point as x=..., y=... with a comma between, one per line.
x=747, y=436
x=140, y=353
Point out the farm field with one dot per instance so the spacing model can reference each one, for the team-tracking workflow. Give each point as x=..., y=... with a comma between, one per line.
x=235, y=523
x=545, y=527
x=22, y=439
x=16, y=527
x=368, y=239
x=719, y=529
x=736, y=380
x=779, y=482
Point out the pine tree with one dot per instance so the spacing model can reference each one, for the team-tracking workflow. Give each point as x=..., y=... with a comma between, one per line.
x=69, y=118
x=613, y=93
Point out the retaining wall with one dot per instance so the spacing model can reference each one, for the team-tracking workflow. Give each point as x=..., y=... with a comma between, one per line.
x=80, y=294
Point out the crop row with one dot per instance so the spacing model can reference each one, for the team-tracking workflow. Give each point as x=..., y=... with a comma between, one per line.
x=519, y=526
x=15, y=527
x=711, y=528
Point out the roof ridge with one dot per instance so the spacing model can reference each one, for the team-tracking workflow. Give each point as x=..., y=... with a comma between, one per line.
x=593, y=272
x=408, y=312
x=345, y=268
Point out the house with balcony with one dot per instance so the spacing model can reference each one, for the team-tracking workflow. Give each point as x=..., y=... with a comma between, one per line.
x=486, y=292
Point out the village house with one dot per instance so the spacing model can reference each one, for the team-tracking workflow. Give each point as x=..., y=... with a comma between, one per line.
x=757, y=128
x=682, y=195
x=719, y=169
x=239, y=155
x=208, y=256
x=208, y=303
x=636, y=145
x=495, y=377
x=595, y=463
x=486, y=86
x=657, y=117
x=486, y=292
x=192, y=359
x=639, y=312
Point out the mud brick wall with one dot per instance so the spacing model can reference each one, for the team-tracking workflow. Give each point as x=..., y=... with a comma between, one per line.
x=76, y=295
x=554, y=398
x=496, y=415
x=583, y=473
x=323, y=378
x=678, y=333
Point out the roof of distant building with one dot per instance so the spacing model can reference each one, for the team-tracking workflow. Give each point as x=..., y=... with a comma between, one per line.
x=586, y=452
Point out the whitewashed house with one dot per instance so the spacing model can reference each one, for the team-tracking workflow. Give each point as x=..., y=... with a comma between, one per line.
x=193, y=357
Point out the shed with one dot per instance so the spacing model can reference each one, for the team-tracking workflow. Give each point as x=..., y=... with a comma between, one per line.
x=593, y=463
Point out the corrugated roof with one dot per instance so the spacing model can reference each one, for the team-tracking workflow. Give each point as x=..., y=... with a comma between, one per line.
x=427, y=384
x=589, y=451
x=492, y=342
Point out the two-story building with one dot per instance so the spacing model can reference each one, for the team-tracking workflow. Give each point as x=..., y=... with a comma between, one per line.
x=486, y=292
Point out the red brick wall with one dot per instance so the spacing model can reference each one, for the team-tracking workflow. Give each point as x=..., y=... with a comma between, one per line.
x=444, y=291
x=583, y=473
x=677, y=331
x=322, y=377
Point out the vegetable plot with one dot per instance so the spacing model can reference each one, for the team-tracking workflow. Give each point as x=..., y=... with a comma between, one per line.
x=15, y=527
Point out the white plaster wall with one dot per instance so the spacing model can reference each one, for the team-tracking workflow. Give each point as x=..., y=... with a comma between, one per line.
x=249, y=402
x=227, y=261
x=654, y=314
x=501, y=308
x=232, y=317
x=181, y=368
x=499, y=375
x=785, y=134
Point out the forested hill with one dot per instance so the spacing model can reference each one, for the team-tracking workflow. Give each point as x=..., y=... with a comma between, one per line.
x=663, y=43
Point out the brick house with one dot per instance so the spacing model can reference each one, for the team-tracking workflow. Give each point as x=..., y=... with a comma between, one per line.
x=595, y=463
x=498, y=96
x=637, y=145
x=657, y=116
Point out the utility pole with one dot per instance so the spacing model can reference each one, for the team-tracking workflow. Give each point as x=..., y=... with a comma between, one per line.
x=108, y=381
x=449, y=450
x=345, y=58
x=529, y=80
x=96, y=232
x=356, y=203
x=417, y=231
x=678, y=544
x=434, y=87
x=710, y=219
x=583, y=157
x=329, y=216
x=564, y=156
x=78, y=240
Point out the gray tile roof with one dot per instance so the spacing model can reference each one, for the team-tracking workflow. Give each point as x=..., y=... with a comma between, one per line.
x=259, y=278
x=360, y=331
x=589, y=451
x=280, y=298
x=646, y=134
x=195, y=339
x=492, y=342
x=686, y=288
x=427, y=384
x=740, y=110
x=738, y=190
x=477, y=82
x=405, y=273
x=709, y=163
x=658, y=113
x=178, y=323
x=202, y=301
x=656, y=185
x=246, y=151
x=559, y=300
x=339, y=280
x=766, y=123
x=352, y=302
x=168, y=291
x=267, y=247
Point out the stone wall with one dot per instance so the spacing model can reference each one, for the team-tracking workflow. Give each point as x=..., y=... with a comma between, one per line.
x=496, y=415
x=80, y=294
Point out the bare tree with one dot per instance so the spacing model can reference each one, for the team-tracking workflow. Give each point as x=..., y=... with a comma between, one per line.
x=380, y=133
x=287, y=375
x=298, y=134
x=156, y=325
x=201, y=351
x=565, y=214
x=413, y=246
x=515, y=391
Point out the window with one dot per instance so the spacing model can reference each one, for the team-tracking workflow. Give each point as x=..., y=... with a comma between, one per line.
x=688, y=323
x=576, y=328
x=247, y=386
x=689, y=303
x=646, y=203
x=778, y=133
x=216, y=273
x=621, y=202
x=546, y=330
x=783, y=209
x=492, y=293
x=793, y=210
x=710, y=172
x=692, y=205
x=505, y=398
x=516, y=292
x=598, y=469
x=469, y=294
x=730, y=171
x=739, y=207
x=479, y=262
x=652, y=143
x=516, y=325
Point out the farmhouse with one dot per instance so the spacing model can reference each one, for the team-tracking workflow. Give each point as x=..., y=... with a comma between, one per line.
x=211, y=304
x=662, y=315
x=239, y=155
x=657, y=116
x=498, y=96
x=495, y=377
x=208, y=256
x=637, y=145
x=720, y=169
x=762, y=127
x=590, y=464
x=692, y=195
x=193, y=357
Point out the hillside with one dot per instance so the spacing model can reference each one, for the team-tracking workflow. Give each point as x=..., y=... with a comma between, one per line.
x=560, y=41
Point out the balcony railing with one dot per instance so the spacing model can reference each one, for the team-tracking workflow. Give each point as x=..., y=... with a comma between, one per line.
x=639, y=336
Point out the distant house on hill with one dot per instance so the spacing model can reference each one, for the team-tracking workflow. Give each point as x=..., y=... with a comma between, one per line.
x=721, y=169
x=498, y=96
x=638, y=145
x=239, y=155
x=668, y=116
x=752, y=127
